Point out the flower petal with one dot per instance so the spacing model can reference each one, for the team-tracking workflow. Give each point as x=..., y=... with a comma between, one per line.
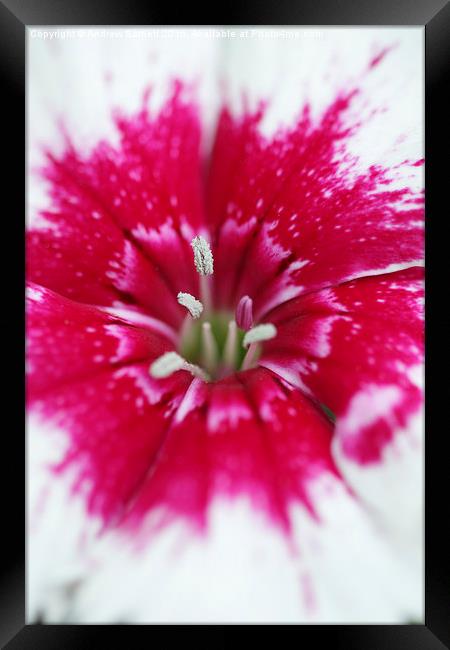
x=244, y=571
x=116, y=420
x=90, y=443
x=242, y=516
x=358, y=349
x=87, y=259
x=127, y=190
x=140, y=199
x=69, y=341
x=95, y=420
x=307, y=203
x=234, y=450
x=110, y=67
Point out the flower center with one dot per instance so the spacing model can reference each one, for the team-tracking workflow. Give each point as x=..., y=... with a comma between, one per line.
x=213, y=344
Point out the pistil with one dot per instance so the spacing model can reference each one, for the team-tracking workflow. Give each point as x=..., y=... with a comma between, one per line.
x=244, y=313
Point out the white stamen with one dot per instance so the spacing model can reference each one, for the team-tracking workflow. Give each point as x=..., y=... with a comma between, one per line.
x=203, y=258
x=262, y=332
x=171, y=362
x=166, y=364
x=210, y=352
x=194, y=306
x=230, y=350
x=250, y=357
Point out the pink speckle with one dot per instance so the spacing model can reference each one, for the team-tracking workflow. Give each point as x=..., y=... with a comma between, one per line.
x=380, y=56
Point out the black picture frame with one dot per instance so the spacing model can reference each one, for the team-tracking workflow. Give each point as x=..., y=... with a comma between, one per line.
x=434, y=15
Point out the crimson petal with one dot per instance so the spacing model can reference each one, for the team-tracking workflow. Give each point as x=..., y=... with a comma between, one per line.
x=301, y=212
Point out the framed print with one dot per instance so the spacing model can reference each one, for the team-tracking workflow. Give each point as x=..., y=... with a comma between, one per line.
x=225, y=324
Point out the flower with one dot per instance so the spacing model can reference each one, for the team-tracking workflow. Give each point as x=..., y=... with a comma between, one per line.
x=224, y=392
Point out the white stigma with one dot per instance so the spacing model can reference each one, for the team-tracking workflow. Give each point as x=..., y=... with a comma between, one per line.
x=262, y=332
x=171, y=362
x=193, y=305
x=203, y=257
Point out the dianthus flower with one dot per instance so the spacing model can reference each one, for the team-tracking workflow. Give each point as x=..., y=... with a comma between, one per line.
x=224, y=360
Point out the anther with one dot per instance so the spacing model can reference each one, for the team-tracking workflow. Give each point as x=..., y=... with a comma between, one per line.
x=171, y=362
x=262, y=332
x=194, y=306
x=244, y=313
x=166, y=365
x=203, y=258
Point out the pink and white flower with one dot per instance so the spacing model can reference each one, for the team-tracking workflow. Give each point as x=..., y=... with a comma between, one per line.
x=225, y=336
